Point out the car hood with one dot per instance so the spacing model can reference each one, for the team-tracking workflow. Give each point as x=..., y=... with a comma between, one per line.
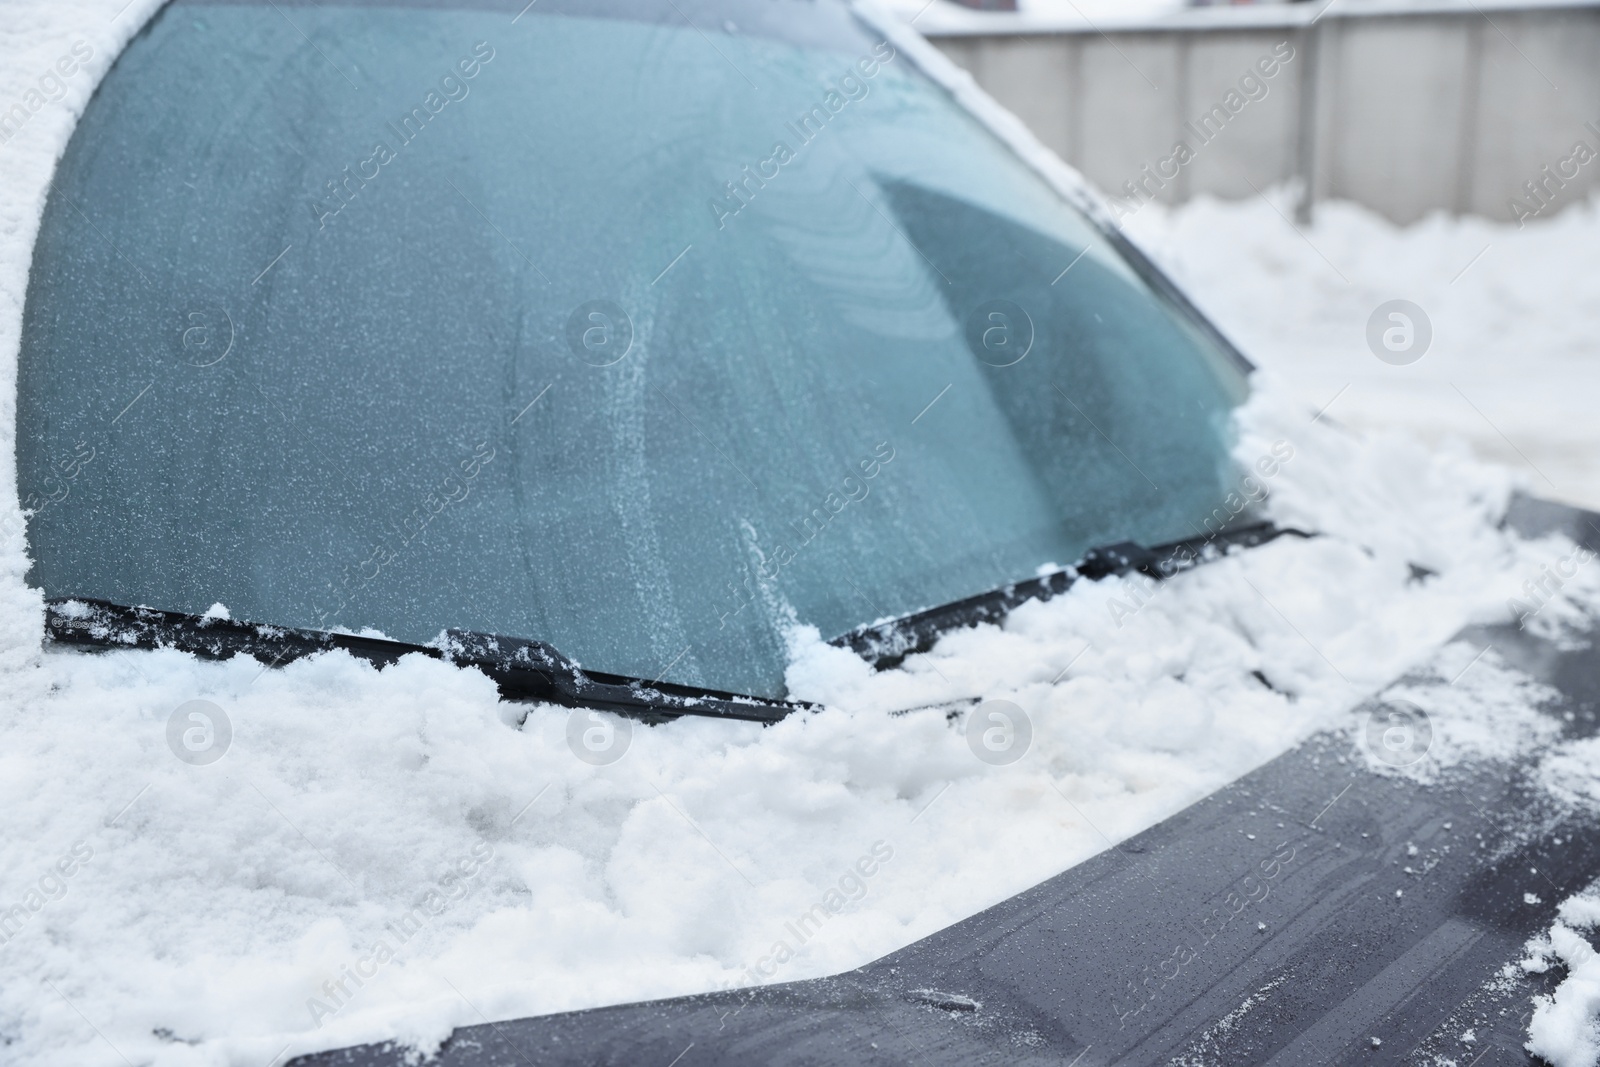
x=1344, y=901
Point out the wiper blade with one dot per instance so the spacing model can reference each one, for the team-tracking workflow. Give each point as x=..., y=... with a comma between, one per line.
x=524, y=670
x=886, y=644
x=533, y=671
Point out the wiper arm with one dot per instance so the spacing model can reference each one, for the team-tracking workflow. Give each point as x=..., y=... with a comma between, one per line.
x=886, y=644
x=524, y=670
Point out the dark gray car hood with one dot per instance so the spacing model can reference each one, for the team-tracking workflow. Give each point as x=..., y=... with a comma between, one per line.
x=1316, y=911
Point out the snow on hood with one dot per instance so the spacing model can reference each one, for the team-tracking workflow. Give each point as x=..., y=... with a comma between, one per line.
x=1562, y=1026
x=386, y=854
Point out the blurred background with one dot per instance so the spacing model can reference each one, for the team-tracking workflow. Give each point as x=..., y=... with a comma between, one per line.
x=1301, y=166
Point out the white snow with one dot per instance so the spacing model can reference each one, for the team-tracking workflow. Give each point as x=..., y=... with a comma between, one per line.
x=1477, y=709
x=1565, y=1026
x=1512, y=369
x=386, y=855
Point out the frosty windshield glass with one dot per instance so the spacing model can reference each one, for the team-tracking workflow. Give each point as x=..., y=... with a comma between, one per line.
x=644, y=337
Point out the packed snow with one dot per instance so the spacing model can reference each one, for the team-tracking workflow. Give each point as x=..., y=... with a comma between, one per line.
x=389, y=854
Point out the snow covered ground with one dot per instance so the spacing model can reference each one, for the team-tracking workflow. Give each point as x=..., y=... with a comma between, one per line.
x=385, y=854
x=1513, y=369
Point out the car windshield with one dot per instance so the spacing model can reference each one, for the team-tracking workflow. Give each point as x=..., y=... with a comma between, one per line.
x=648, y=329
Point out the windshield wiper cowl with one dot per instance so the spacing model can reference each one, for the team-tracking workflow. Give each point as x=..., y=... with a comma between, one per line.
x=525, y=670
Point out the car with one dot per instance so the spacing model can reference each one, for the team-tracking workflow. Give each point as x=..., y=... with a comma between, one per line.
x=597, y=346
x=600, y=355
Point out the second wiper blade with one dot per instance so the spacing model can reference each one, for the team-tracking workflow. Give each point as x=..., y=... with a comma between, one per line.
x=886, y=644
x=523, y=669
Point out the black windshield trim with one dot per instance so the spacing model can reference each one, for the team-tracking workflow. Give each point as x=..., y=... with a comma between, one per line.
x=525, y=671
x=886, y=644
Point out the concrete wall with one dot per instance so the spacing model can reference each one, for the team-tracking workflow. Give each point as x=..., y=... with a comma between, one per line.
x=1453, y=109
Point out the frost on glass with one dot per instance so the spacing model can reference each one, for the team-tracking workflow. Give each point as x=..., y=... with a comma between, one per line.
x=575, y=329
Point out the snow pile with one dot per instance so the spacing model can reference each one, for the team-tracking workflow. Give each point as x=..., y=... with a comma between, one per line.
x=1565, y=1028
x=388, y=854
x=1511, y=368
x=384, y=854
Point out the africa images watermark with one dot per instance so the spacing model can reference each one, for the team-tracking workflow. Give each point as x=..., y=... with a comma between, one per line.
x=999, y=732
x=48, y=888
x=1142, y=588
x=1252, y=86
x=1544, y=189
x=387, y=550
x=1543, y=589
x=453, y=87
x=55, y=487
x=849, y=888
x=449, y=889
x=1199, y=930
x=852, y=488
x=805, y=129
x=52, y=85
